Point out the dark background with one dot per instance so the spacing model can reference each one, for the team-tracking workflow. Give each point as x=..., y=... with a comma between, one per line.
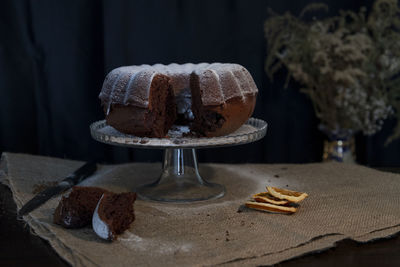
x=54, y=56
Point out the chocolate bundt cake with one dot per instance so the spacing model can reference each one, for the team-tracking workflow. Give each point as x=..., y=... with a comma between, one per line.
x=213, y=99
x=76, y=209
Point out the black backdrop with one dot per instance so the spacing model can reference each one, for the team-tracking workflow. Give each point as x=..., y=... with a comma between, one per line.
x=54, y=56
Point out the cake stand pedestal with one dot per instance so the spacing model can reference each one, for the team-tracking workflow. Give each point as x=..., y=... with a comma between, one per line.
x=180, y=180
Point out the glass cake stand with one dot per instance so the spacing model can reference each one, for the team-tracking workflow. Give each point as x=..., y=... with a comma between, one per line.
x=180, y=180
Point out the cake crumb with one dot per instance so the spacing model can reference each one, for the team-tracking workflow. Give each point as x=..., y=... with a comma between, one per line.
x=177, y=141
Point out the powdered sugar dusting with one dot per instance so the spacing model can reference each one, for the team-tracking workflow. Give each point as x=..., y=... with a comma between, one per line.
x=178, y=131
x=100, y=227
x=131, y=84
x=132, y=241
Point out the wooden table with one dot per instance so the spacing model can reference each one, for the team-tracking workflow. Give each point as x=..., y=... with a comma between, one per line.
x=18, y=247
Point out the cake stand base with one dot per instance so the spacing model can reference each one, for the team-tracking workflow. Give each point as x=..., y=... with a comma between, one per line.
x=180, y=180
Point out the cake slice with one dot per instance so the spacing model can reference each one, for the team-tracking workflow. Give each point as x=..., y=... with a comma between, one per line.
x=113, y=215
x=147, y=112
x=76, y=209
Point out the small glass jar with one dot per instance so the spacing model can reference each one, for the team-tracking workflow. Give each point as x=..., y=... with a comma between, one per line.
x=340, y=145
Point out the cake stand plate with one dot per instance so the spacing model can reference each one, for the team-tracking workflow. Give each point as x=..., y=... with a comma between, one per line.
x=180, y=180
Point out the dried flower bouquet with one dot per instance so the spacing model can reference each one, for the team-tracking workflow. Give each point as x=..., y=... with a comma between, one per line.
x=348, y=64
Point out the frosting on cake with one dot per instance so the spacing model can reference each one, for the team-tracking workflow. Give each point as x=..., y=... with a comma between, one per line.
x=130, y=85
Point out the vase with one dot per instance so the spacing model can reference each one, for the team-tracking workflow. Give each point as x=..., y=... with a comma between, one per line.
x=339, y=146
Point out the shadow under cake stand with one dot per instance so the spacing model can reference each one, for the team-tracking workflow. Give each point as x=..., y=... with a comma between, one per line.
x=180, y=180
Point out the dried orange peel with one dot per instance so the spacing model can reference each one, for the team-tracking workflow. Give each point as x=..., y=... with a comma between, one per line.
x=270, y=207
x=289, y=195
x=266, y=197
x=276, y=200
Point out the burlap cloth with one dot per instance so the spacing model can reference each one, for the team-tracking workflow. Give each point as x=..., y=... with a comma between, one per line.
x=346, y=201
